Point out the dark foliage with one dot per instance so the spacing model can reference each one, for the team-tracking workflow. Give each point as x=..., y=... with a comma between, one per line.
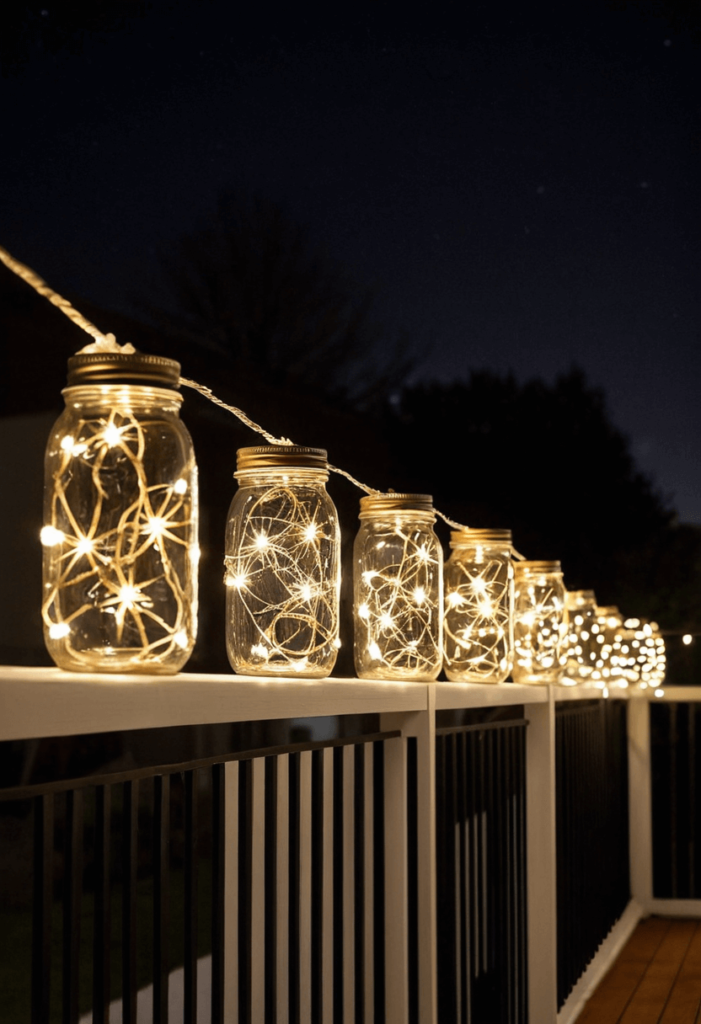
x=250, y=288
x=546, y=461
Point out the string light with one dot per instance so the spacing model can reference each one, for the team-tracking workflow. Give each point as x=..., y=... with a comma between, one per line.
x=118, y=538
x=478, y=618
x=398, y=589
x=579, y=646
x=282, y=565
x=539, y=627
x=87, y=557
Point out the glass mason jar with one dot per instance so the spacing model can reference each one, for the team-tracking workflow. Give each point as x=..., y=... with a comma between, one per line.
x=283, y=569
x=120, y=519
x=580, y=646
x=539, y=606
x=479, y=604
x=398, y=589
x=609, y=661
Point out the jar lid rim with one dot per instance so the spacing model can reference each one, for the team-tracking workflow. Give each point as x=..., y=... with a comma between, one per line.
x=395, y=502
x=272, y=455
x=474, y=535
x=116, y=367
x=543, y=566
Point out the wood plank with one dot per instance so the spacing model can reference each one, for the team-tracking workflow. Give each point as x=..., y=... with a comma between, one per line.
x=652, y=993
x=613, y=994
x=645, y=940
x=685, y=1001
x=617, y=988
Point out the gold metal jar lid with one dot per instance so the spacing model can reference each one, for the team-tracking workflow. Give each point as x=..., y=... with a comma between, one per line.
x=123, y=368
x=607, y=609
x=527, y=566
x=375, y=503
x=280, y=456
x=470, y=535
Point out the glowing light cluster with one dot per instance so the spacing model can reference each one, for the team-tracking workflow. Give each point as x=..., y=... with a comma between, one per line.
x=539, y=626
x=478, y=617
x=398, y=598
x=119, y=592
x=580, y=650
x=609, y=658
x=282, y=578
x=644, y=653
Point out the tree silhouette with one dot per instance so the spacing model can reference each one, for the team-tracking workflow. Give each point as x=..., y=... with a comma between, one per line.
x=546, y=460
x=250, y=287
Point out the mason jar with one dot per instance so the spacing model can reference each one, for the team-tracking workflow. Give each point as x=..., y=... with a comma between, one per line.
x=398, y=589
x=610, y=661
x=120, y=519
x=539, y=605
x=479, y=598
x=283, y=569
x=580, y=642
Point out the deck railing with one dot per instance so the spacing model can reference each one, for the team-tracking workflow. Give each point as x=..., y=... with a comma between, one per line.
x=333, y=850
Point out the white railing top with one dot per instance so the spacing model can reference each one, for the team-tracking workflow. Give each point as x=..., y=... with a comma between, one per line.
x=41, y=702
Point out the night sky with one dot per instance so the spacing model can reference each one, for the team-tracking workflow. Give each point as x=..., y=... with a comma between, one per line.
x=520, y=188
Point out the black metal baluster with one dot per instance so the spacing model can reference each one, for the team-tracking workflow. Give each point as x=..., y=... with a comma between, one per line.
x=271, y=844
x=102, y=923
x=413, y=878
x=161, y=894
x=317, y=907
x=378, y=830
x=522, y=887
x=509, y=832
x=338, y=873
x=72, y=896
x=42, y=898
x=190, y=899
x=130, y=840
x=443, y=972
x=359, y=862
x=245, y=883
x=293, y=929
x=217, y=895
x=463, y=926
x=691, y=816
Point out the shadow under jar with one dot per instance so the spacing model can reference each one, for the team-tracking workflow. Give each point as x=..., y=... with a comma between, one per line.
x=282, y=562
x=398, y=589
x=120, y=519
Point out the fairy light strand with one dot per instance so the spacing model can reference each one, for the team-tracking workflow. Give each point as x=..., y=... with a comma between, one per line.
x=40, y=286
x=282, y=596
x=131, y=570
x=398, y=604
x=477, y=619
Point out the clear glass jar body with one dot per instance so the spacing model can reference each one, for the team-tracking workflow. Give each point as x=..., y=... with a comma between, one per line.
x=283, y=574
x=580, y=642
x=398, y=597
x=539, y=605
x=120, y=532
x=478, y=617
x=610, y=661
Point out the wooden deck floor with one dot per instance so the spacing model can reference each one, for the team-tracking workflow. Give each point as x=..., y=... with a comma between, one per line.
x=656, y=979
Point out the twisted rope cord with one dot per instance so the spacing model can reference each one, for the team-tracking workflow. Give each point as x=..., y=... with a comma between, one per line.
x=40, y=286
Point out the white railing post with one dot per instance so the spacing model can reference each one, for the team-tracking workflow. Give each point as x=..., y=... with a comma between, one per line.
x=422, y=726
x=640, y=801
x=541, y=861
